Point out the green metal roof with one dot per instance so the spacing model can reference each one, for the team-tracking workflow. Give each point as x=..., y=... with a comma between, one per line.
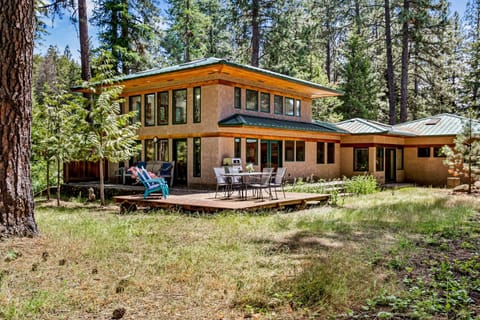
x=240, y=120
x=445, y=124
x=365, y=126
x=212, y=61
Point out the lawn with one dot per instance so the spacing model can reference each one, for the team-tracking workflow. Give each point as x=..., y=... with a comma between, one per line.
x=413, y=253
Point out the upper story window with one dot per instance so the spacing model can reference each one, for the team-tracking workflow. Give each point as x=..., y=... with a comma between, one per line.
x=265, y=102
x=162, y=108
x=179, y=106
x=289, y=106
x=437, y=152
x=197, y=105
x=150, y=109
x=278, y=104
x=252, y=100
x=135, y=104
x=237, y=98
x=298, y=112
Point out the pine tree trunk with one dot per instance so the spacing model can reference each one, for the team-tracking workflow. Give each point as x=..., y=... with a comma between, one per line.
x=84, y=46
x=255, y=34
x=16, y=59
x=392, y=114
x=405, y=58
x=187, y=33
x=58, y=182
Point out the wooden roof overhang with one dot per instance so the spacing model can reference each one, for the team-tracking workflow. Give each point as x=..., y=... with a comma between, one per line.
x=210, y=71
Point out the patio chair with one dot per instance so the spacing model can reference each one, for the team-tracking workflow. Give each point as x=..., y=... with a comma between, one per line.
x=221, y=180
x=260, y=184
x=152, y=184
x=166, y=171
x=278, y=181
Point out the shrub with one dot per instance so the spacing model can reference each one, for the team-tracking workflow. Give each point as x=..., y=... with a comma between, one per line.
x=365, y=184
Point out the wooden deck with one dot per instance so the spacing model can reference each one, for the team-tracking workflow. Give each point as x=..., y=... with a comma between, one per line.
x=206, y=202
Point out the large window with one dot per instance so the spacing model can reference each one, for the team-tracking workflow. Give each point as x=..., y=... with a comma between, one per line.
x=252, y=100
x=180, y=106
x=197, y=157
x=300, y=150
x=162, y=108
x=379, y=159
x=135, y=104
x=278, y=104
x=360, y=162
x=289, y=150
x=320, y=152
x=237, y=104
x=162, y=150
x=265, y=102
x=149, y=150
x=252, y=151
x=330, y=152
x=423, y=152
x=237, y=148
x=197, y=105
x=150, y=109
x=298, y=112
x=289, y=104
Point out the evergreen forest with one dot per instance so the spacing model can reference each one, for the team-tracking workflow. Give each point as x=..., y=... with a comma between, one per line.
x=395, y=60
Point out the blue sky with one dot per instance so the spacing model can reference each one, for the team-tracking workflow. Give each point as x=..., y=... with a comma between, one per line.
x=62, y=32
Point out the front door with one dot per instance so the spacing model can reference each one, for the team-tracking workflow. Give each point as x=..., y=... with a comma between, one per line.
x=271, y=154
x=180, y=151
x=390, y=165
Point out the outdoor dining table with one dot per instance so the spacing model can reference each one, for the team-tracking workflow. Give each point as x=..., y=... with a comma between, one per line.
x=244, y=180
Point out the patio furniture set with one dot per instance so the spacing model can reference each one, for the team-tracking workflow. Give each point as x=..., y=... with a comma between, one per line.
x=232, y=179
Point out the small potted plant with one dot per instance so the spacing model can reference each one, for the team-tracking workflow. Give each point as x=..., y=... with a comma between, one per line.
x=249, y=167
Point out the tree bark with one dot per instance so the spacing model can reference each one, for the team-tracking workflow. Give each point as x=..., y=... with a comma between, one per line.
x=405, y=58
x=84, y=43
x=16, y=64
x=392, y=114
x=255, y=33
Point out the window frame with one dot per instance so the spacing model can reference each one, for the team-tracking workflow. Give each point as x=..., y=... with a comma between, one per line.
x=138, y=116
x=162, y=108
x=149, y=150
x=249, y=94
x=237, y=98
x=299, y=155
x=287, y=107
x=197, y=157
x=287, y=156
x=277, y=99
x=437, y=152
x=197, y=105
x=298, y=108
x=331, y=153
x=175, y=107
x=320, y=152
x=264, y=107
x=147, y=97
x=162, y=156
x=420, y=153
x=379, y=159
x=249, y=142
x=237, y=147
x=356, y=165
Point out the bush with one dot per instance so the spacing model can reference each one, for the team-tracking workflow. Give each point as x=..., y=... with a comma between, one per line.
x=364, y=184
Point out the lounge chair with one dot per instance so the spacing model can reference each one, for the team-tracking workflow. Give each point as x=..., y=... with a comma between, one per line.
x=152, y=184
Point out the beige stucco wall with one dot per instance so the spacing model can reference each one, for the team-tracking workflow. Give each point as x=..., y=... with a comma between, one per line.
x=426, y=171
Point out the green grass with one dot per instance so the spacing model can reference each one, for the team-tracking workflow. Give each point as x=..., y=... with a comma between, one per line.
x=349, y=259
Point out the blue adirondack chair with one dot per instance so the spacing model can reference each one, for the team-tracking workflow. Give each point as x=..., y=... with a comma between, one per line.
x=152, y=184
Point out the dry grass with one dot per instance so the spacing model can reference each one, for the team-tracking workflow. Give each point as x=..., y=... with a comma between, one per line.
x=89, y=261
